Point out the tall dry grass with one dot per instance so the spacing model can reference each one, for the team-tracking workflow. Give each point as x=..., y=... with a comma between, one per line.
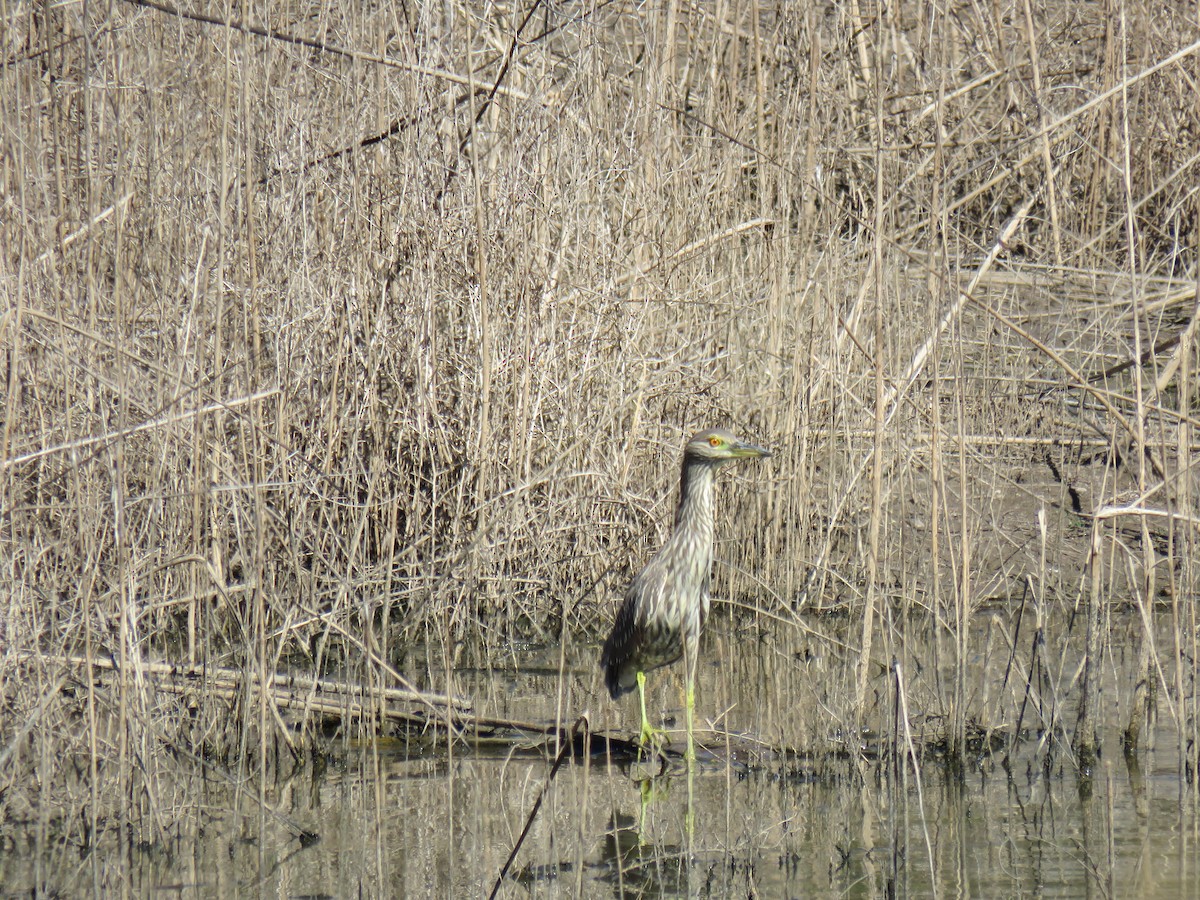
x=335, y=329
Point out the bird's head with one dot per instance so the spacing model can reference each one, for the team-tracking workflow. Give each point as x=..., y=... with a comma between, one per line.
x=716, y=445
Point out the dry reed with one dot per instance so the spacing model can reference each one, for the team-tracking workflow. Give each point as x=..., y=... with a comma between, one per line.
x=344, y=329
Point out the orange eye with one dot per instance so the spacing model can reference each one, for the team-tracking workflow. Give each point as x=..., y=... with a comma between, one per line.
x=714, y=441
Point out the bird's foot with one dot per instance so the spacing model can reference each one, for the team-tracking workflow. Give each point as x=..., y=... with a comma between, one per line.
x=653, y=739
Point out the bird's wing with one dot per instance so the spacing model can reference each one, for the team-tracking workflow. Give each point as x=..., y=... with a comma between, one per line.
x=618, y=646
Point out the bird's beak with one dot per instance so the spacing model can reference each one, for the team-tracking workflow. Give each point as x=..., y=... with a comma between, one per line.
x=750, y=451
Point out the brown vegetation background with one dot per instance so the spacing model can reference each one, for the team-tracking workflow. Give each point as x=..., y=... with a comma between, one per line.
x=331, y=330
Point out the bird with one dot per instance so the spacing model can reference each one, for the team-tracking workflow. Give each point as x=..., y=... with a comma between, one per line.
x=665, y=607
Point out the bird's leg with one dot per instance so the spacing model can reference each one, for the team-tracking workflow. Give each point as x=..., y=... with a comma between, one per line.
x=650, y=736
x=690, y=756
x=691, y=709
x=689, y=674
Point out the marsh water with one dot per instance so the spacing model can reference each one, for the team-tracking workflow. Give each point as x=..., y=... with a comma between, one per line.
x=760, y=814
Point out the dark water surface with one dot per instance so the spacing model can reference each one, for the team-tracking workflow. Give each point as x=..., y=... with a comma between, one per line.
x=761, y=815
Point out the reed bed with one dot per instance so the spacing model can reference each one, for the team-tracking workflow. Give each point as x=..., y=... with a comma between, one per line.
x=337, y=330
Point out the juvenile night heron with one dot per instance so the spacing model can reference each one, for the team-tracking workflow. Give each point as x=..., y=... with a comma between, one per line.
x=667, y=603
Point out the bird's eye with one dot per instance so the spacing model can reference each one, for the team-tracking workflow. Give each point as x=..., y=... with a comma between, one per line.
x=714, y=441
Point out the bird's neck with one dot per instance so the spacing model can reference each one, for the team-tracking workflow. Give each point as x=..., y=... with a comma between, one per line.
x=695, y=510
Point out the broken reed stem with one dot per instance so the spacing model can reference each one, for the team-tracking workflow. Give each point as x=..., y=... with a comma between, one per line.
x=322, y=696
x=1085, y=741
x=285, y=685
x=565, y=751
x=913, y=758
x=872, y=599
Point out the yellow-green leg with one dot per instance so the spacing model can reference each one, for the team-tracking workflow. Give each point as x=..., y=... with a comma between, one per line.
x=690, y=815
x=650, y=736
x=690, y=648
x=691, y=709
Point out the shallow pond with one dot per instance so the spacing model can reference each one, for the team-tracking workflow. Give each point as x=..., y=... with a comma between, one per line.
x=758, y=816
